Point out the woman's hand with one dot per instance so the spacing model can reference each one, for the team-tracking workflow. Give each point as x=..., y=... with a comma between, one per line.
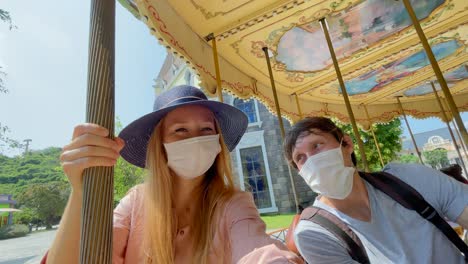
x=90, y=147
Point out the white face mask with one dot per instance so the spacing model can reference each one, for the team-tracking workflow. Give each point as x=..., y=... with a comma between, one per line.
x=190, y=158
x=326, y=174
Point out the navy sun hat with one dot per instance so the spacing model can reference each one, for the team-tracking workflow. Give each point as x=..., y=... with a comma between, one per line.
x=136, y=135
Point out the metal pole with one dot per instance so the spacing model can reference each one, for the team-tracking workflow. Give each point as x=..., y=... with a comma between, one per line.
x=437, y=71
x=409, y=130
x=345, y=94
x=219, y=89
x=280, y=120
x=98, y=190
x=461, y=141
x=444, y=115
x=299, y=110
x=375, y=138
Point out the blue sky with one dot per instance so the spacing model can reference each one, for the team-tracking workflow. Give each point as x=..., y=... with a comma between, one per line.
x=46, y=62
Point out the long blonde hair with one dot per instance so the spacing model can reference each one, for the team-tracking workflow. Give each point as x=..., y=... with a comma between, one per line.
x=215, y=191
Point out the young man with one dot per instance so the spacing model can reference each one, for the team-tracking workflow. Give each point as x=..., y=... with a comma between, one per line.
x=389, y=232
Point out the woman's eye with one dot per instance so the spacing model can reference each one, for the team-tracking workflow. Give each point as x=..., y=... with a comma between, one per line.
x=181, y=130
x=207, y=129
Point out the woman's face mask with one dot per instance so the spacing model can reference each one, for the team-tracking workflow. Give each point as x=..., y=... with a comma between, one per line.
x=326, y=174
x=191, y=158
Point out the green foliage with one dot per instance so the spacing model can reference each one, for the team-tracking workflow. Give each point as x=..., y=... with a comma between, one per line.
x=437, y=158
x=388, y=136
x=12, y=231
x=26, y=216
x=6, y=142
x=408, y=158
x=126, y=175
x=47, y=200
x=5, y=17
x=42, y=166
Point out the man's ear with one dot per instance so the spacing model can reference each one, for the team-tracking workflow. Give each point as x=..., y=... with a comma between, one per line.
x=349, y=146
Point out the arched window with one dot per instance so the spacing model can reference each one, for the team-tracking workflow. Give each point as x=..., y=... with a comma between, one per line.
x=436, y=140
x=188, y=78
x=249, y=108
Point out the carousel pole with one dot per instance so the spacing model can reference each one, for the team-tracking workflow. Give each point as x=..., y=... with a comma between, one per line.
x=460, y=139
x=219, y=89
x=444, y=115
x=299, y=110
x=409, y=130
x=375, y=138
x=437, y=71
x=96, y=214
x=280, y=121
x=324, y=25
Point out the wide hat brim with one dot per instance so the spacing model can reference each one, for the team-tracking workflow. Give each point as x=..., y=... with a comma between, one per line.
x=232, y=121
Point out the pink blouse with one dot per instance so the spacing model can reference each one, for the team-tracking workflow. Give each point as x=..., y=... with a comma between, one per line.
x=240, y=224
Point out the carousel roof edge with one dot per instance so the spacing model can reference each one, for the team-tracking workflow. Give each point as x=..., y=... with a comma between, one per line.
x=131, y=7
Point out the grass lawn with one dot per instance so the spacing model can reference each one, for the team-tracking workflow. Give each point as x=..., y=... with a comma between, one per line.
x=278, y=221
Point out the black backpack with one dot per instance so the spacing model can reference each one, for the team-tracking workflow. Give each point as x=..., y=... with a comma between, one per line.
x=399, y=191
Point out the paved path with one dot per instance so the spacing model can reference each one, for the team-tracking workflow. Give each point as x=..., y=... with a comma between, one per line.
x=26, y=250
x=30, y=249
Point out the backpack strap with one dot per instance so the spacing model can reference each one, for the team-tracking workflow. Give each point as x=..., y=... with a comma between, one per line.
x=411, y=199
x=339, y=229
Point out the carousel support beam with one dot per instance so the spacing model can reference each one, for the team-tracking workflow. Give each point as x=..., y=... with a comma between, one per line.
x=460, y=139
x=435, y=66
x=324, y=25
x=219, y=89
x=375, y=138
x=444, y=115
x=299, y=110
x=280, y=121
x=409, y=130
x=98, y=189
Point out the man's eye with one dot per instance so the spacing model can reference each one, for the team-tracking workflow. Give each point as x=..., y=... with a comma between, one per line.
x=299, y=158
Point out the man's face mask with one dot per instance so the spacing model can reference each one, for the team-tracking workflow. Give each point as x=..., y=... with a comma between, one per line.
x=191, y=158
x=326, y=174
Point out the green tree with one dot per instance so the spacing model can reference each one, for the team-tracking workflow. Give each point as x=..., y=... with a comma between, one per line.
x=4, y=140
x=26, y=216
x=388, y=136
x=46, y=200
x=408, y=158
x=126, y=175
x=437, y=158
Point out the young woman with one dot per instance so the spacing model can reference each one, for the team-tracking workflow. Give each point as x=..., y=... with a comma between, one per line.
x=188, y=210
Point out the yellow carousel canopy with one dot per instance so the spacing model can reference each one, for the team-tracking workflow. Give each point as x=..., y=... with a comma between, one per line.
x=378, y=51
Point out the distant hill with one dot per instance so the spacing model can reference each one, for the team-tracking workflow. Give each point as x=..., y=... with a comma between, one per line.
x=17, y=173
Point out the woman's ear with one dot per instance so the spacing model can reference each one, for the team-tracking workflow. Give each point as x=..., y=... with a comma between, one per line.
x=349, y=146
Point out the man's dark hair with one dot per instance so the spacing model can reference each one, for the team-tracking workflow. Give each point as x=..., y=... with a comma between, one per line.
x=306, y=127
x=454, y=171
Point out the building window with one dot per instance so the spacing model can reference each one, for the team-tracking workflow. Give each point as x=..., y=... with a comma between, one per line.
x=188, y=78
x=249, y=108
x=436, y=140
x=255, y=179
x=173, y=69
x=254, y=172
